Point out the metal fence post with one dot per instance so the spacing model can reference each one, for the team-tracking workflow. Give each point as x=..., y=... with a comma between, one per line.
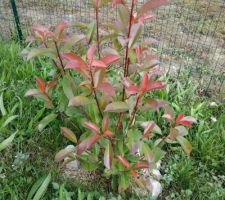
x=17, y=20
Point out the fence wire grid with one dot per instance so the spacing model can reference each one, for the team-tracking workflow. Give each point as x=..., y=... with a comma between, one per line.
x=191, y=33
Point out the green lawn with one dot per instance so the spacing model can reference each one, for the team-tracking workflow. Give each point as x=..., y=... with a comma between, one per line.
x=30, y=157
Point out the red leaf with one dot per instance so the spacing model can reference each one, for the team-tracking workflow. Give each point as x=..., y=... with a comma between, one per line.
x=114, y=2
x=98, y=63
x=90, y=53
x=61, y=26
x=141, y=165
x=152, y=4
x=124, y=161
x=92, y=126
x=155, y=85
x=109, y=59
x=147, y=135
x=107, y=88
x=41, y=84
x=149, y=127
x=179, y=117
x=187, y=121
x=107, y=133
x=75, y=61
x=144, y=83
x=133, y=89
x=41, y=28
x=87, y=143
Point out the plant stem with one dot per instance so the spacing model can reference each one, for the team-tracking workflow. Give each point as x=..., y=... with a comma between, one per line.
x=97, y=27
x=46, y=46
x=126, y=67
x=62, y=113
x=60, y=59
x=135, y=110
x=95, y=94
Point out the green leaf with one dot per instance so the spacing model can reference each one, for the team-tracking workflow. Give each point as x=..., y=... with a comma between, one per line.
x=2, y=108
x=41, y=52
x=187, y=147
x=72, y=41
x=44, y=122
x=35, y=187
x=108, y=156
x=123, y=14
x=79, y=101
x=9, y=120
x=90, y=31
x=42, y=189
x=7, y=142
x=67, y=85
x=123, y=182
x=136, y=30
x=117, y=107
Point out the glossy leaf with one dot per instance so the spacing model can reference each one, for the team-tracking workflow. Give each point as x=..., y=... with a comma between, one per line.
x=72, y=41
x=117, y=107
x=136, y=30
x=155, y=104
x=75, y=61
x=124, y=161
x=182, y=131
x=123, y=14
x=156, y=85
x=92, y=126
x=141, y=165
x=47, y=52
x=61, y=26
x=33, y=92
x=87, y=143
x=99, y=77
x=79, y=101
x=98, y=64
x=45, y=122
x=185, y=144
x=144, y=83
x=91, y=52
x=108, y=156
x=68, y=134
x=149, y=127
x=63, y=154
x=107, y=88
x=41, y=84
x=151, y=4
x=110, y=59
x=90, y=31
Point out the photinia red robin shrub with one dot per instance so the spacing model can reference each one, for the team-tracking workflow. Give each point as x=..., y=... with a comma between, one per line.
x=104, y=79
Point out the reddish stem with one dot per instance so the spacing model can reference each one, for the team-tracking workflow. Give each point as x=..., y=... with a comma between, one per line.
x=60, y=59
x=135, y=109
x=97, y=27
x=126, y=67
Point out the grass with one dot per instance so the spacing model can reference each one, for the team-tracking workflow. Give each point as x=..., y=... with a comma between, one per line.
x=30, y=157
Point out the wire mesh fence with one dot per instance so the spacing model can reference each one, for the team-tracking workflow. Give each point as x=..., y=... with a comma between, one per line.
x=191, y=33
